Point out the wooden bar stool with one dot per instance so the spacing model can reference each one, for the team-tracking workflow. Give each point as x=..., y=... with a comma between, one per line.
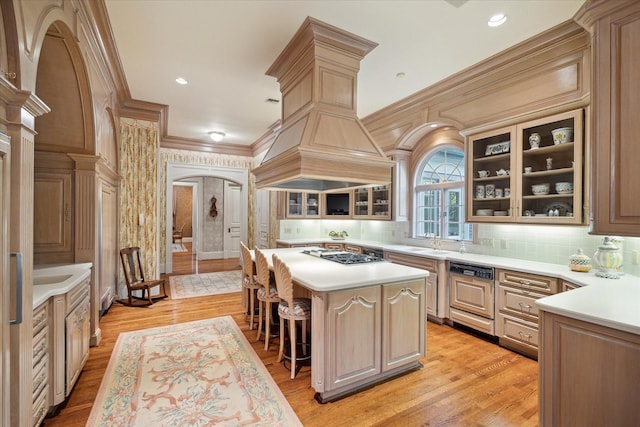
x=290, y=309
x=267, y=294
x=248, y=281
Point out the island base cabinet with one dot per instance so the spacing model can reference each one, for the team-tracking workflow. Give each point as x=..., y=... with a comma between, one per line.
x=353, y=347
x=589, y=374
x=404, y=323
x=366, y=335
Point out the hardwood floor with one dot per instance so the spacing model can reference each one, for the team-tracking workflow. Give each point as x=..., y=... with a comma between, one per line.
x=466, y=381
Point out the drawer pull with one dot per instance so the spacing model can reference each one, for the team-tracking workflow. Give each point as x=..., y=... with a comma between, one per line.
x=524, y=336
x=524, y=307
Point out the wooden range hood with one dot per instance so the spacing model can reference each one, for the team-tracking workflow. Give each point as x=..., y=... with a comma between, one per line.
x=321, y=144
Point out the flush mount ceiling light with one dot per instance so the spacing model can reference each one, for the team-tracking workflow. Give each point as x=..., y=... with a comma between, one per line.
x=497, y=20
x=216, y=136
x=181, y=81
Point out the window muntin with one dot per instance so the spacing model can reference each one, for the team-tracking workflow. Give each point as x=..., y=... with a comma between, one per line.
x=439, y=196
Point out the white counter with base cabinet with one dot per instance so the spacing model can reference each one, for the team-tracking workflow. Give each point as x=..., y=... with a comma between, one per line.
x=61, y=312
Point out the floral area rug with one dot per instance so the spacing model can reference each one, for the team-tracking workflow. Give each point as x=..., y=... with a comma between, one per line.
x=177, y=247
x=197, y=285
x=202, y=373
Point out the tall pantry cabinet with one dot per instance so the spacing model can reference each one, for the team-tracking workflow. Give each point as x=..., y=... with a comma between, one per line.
x=4, y=280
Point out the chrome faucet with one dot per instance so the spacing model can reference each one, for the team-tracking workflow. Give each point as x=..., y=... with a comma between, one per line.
x=436, y=242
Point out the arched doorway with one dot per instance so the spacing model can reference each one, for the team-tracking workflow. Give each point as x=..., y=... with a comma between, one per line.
x=233, y=220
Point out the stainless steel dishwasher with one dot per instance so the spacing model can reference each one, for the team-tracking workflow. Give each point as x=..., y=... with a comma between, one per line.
x=472, y=296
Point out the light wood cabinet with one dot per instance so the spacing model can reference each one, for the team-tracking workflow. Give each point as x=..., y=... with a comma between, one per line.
x=589, y=374
x=303, y=205
x=334, y=246
x=41, y=398
x=373, y=202
x=53, y=218
x=435, y=294
x=567, y=286
x=503, y=167
x=615, y=128
x=517, y=316
x=6, y=353
x=353, y=352
x=403, y=323
x=70, y=339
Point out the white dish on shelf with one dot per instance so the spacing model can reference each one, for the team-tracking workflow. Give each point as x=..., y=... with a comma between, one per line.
x=562, y=207
x=540, y=189
x=500, y=213
x=484, y=212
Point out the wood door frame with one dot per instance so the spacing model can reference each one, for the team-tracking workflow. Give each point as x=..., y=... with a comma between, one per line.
x=178, y=171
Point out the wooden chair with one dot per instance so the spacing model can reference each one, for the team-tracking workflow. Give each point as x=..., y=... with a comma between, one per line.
x=248, y=281
x=135, y=280
x=267, y=294
x=290, y=309
x=177, y=234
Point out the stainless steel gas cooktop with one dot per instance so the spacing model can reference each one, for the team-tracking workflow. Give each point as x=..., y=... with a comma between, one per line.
x=343, y=257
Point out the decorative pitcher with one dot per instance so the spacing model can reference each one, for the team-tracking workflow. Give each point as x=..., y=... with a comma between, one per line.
x=608, y=259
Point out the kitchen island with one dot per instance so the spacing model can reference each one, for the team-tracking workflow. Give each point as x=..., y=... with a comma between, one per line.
x=368, y=321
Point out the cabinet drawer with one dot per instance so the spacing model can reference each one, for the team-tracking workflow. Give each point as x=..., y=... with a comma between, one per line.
x=40, y=345
x=40, y=379
x=77, y=294
x=334, y=246
x=518, y=334
x=412, y=261
x=528, y=281
x=353, y=249
x=478, y=323
x=40, y=409
x=39, y=318
x=518, y=302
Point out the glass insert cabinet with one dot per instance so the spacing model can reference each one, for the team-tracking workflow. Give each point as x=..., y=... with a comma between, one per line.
x=372, y=202
x=531, y=172
x=303, y=205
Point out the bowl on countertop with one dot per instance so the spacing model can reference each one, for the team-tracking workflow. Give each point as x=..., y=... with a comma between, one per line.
x=540, y=189
x=564, y=187
x=562, y=135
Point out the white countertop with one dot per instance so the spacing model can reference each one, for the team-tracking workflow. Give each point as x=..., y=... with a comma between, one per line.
x=613, y=303
x=47, y=281
x=322, y=275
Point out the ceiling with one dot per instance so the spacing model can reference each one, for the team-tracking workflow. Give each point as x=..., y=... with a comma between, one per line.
x=224, y=47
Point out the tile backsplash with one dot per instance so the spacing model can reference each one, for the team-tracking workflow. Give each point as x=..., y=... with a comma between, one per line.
x=552, y=244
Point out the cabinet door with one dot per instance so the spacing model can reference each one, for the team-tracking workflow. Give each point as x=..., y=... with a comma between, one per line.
x=77, y=343
x=550, y=170
x=5, y=385
x=52, y=218
x=353, y=352
x=432, y=294
x=404, y=322
x=362, y=202
x=615, y=124
x=381, y=201
x=490, y=181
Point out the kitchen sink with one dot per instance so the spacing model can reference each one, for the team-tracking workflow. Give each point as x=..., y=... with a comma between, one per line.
x=50, y=280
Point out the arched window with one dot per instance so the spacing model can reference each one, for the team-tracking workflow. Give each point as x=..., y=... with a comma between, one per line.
x=439, y=196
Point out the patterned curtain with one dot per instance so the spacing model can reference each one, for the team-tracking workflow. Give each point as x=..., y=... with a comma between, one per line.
x=139, y=150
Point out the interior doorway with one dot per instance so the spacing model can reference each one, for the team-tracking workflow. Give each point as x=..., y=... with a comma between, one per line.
x=220, y=211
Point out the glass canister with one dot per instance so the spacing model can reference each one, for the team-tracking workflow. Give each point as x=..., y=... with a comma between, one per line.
x=619, y=242
x=608, y=259
x=579, y=261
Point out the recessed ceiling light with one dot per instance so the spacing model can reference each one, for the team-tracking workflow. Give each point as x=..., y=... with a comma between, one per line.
x=216, y=136
x=272, y=101
x=181, y=81
x=400, y=75
x=497, y=20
